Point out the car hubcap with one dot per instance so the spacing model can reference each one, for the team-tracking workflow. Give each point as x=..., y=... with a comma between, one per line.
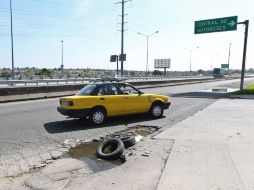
x=157, y=111
x=98, y=117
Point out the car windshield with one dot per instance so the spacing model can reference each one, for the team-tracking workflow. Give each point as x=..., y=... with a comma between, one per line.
x=87, y=90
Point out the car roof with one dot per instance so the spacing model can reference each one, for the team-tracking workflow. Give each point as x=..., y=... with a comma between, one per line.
x=104, y=83
x=108, y=81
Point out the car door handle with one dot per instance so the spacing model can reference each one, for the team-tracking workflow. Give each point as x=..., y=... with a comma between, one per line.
x=125, y=98
x=102, y=98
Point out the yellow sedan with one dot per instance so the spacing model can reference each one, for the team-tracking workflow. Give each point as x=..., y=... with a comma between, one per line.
x=99, y=100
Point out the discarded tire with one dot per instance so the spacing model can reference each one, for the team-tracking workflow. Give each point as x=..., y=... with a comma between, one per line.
x=116, y=146
x=128, y=141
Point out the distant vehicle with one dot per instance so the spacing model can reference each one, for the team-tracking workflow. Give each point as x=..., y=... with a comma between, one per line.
x=218, y=72
x=105, y=98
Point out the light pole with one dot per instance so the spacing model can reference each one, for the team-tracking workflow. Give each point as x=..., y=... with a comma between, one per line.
x=62, y=65
x=229, y=57
x=12, y=54
x=147, y=37
x=191, y=57
x=62, y=54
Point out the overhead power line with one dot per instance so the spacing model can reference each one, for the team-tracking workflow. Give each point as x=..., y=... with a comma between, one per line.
x=69, y=5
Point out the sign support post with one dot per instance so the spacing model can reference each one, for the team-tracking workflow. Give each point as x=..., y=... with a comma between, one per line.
x=246, y=22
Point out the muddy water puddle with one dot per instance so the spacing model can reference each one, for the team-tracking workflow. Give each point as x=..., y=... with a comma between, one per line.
x=84, y=150
x=87, y=153
x=143, y=132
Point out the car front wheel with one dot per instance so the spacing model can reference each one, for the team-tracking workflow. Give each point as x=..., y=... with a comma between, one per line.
x=156, y=110
x=97, y=116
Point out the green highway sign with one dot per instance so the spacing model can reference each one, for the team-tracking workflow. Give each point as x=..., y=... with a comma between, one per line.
x=216, y=25
x=224, y=66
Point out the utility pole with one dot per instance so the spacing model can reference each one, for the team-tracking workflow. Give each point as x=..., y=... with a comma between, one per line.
x=12, y=56
x=122, y=37
x=122, y=34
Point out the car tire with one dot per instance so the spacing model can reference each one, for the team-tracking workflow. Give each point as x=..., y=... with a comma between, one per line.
x=156, y=110
x=128, y=141
x=117, y=149
x=97, y=116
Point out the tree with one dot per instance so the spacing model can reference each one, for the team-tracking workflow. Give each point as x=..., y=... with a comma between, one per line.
x=157, y=72
x=5, y=74
x=251, y=70
x=201, y=72
x=45, y=72
x=28, y=73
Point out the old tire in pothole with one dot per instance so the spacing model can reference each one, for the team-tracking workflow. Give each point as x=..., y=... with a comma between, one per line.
x=128, y=141
x=156, y=110
x=117, y=149
x=97, y=116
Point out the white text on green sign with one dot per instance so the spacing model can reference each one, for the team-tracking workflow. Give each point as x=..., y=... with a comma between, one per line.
x=216, y=25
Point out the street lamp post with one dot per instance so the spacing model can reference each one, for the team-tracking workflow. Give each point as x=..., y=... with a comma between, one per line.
x=62, y=65
x=191, y=57
x=12, y=53
x=147, y=37
x=62, y=54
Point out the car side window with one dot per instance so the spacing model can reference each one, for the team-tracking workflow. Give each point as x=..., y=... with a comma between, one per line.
x=111, y=89
x=101, y=91
x=126, y=89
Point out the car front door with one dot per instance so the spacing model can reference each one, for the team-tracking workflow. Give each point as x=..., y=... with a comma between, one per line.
x=134, y=101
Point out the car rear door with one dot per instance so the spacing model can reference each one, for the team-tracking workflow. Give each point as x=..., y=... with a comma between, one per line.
x=108, y=96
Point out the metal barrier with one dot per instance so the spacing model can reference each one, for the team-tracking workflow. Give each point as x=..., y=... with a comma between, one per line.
x=84, y=80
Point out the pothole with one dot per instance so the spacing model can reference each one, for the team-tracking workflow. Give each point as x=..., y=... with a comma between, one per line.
x=87, y=151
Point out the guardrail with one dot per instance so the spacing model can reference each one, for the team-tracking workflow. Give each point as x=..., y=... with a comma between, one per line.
x=83, y=80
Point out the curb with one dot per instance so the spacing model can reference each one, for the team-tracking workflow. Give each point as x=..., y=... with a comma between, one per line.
x=242, y=96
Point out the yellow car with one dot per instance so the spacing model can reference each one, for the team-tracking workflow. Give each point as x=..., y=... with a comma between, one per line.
x=101, y=99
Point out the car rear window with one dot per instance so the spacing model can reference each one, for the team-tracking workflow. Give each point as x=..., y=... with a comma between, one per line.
x=87, y=90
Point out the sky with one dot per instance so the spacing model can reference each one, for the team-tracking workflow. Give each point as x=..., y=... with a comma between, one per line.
x=90, y=33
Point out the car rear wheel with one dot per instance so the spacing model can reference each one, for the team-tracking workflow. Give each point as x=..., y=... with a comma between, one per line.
x=156, y=110
x=97, y=116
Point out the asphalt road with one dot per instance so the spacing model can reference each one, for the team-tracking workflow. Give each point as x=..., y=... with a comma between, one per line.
x=31, y=128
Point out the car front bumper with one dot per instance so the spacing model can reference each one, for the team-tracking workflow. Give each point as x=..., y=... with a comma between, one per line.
x=74, y=113
x=166, y=105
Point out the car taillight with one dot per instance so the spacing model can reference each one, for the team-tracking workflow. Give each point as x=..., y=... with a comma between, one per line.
x=69, y=103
